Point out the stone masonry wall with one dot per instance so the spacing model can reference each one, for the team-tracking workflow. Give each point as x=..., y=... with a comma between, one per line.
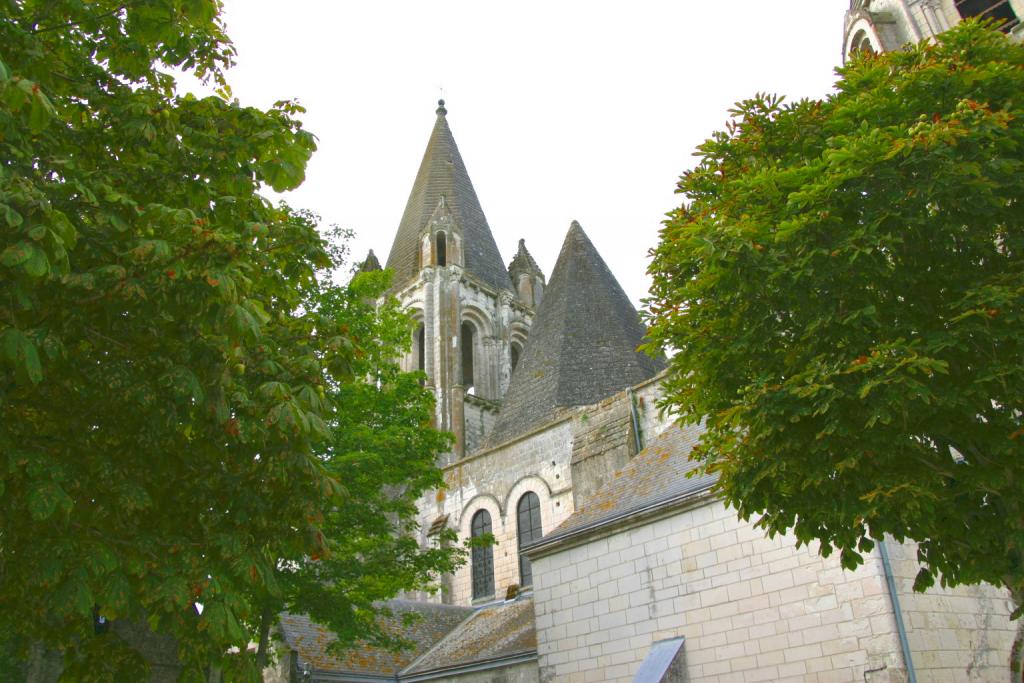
x=961, y=634
x=751, y=608
x=540, y=462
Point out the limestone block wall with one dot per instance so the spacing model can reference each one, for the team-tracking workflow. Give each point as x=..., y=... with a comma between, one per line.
x=479, y=415
x=961, y=634
x=751, y=608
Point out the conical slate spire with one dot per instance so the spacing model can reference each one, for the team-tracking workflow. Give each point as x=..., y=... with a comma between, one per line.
x=443, y=173
x=370, y=264
x=582, y=345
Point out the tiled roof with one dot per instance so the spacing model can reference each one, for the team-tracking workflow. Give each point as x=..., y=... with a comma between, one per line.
x=311, y=640
x=582, y=344
x=443, y=173
x=494, y=632
x=658, y=474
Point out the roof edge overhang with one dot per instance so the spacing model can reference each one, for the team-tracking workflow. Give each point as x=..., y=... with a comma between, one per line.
x=483, y=665
x=623, y=521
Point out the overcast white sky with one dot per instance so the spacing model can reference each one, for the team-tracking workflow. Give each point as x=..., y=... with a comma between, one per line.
x=562, y=109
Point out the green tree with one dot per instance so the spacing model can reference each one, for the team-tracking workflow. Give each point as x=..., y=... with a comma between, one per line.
x=384, y=452
x=844, y=289
x=168, y=394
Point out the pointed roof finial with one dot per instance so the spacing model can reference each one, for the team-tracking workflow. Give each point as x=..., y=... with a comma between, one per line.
x=441, y=111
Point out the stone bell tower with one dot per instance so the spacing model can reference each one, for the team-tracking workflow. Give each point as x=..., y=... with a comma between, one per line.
x=471, y=323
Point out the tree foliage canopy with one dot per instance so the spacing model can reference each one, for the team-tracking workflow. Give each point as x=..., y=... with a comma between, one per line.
x=183, y=410
x=845, y=292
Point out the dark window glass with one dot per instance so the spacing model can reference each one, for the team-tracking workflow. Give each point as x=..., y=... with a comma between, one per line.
x=467, y=355
x=528, y=514
x=998, y=10
x=482, y=558
x=421, y=348
x=442, y=249
x=515, y=356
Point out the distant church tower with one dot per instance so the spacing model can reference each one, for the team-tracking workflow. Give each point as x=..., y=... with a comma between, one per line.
x=886, y=25
x=472, y=320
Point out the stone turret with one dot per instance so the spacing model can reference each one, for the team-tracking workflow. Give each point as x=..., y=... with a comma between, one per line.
x=527, y=277
x=449, y=274
x=370, y=263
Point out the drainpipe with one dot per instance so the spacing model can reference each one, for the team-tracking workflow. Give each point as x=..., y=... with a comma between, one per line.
x=636, y=421
x=901, y=629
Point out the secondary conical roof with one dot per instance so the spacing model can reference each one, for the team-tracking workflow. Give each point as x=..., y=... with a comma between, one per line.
x=443, y=173
x=582, y=344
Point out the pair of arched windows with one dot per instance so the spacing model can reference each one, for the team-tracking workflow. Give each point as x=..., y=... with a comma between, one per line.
x=482, y=559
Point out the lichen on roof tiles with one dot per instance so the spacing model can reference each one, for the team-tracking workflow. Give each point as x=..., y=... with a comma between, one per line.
x=658, y=474
x=493, y=632
x=312, y=641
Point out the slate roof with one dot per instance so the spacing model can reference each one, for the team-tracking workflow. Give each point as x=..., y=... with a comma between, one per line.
x=656, y=476
x=582, y=344
x=494, y=632
x=311, y=640
x=442, y=172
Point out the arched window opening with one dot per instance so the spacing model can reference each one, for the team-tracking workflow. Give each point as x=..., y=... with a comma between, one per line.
x=482, y=559
x=862, y=43
x=528, y=514
x=515, y=356
x=442, y=249
x=421, y=348
x=467, y=355
x=999, y=10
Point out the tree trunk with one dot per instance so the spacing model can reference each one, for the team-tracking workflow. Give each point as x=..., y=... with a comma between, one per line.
x=266, y=619
x=1017, y=654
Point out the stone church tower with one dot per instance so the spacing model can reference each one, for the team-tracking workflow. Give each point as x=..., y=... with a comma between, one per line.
x=473, y=315
x=886, y=25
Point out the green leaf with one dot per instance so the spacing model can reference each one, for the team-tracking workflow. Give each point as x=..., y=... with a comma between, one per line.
x=17, y=253
x=21, y=354
x=45, y=499
x=12, y=217
x=37, y=265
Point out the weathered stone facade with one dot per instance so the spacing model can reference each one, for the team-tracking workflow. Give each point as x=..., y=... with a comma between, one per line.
x=884, y=25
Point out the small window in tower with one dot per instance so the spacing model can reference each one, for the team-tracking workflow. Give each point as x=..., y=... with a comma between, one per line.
x=515, y=356
x=999, y=10
x=442, y=249
x=528, y=518
x=467, y=355
x=421, y=348
x=482, y=559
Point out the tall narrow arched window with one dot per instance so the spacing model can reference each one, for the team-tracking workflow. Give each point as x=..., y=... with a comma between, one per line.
x=528, y=517
x=442, y=249
x=515, y=356
x=482, y=559
x=467, y=355
x=421, y=348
